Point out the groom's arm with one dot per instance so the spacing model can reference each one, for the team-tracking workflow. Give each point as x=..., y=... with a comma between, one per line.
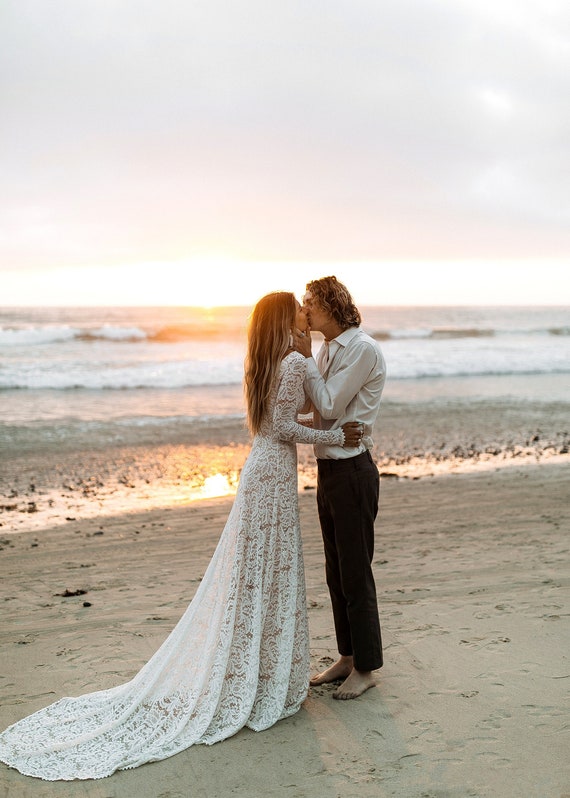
x=332, y=397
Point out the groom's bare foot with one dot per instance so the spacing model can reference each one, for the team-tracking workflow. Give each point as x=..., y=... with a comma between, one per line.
x=339, y=670
x=354, y=685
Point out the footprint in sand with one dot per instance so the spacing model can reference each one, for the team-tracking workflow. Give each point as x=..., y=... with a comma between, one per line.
x=543, y=714
x=504, y=608
x=491, y=759
x=484, y=642
x=496, y=720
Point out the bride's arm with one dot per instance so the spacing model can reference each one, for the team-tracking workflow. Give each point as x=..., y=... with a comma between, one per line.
x=285, y=423
x=308, y=407
x=307, y=411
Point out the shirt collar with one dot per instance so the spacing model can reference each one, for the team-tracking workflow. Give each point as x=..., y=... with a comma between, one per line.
x=345, y=336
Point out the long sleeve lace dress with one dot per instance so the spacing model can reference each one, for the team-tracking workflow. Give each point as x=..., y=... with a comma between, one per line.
x=239, y=656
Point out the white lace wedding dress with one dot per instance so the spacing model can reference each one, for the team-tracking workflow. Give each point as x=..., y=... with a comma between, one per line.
x=239, y=656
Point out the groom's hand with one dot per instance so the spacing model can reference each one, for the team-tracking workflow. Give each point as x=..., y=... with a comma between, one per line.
x=302, y=342
x=353, y=432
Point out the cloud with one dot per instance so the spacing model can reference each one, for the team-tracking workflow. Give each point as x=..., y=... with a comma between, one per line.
x=321, y=130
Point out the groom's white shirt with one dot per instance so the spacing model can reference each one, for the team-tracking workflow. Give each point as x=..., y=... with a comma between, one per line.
x=348, y=389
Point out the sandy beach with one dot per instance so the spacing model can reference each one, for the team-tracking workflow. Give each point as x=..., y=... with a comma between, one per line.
x=472, y=572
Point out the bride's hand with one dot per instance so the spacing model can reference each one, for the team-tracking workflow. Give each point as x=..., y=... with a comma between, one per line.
x=353, y=432
x=302, y=341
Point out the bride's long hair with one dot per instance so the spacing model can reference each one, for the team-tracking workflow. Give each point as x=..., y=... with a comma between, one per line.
x=268, y=339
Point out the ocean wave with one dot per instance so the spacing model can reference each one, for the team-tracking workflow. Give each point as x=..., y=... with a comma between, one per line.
x=394, y=335
x=559, y=331
x=450, y=333
x=94, y=377
x=178, y=333
x=109, y=333
x=461, y=333
x=441, y=333
x=41, y=336
x=64, y=381
x=174, y=333
x=482, y=372
x=36, y=336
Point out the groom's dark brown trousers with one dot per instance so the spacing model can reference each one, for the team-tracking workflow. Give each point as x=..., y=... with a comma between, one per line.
x=347, y=497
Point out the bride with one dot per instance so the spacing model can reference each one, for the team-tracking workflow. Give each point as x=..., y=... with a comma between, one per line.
x=239, y=656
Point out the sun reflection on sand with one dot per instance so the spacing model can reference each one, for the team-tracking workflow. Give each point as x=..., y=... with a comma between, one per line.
x=216, y=485
x=175, y=476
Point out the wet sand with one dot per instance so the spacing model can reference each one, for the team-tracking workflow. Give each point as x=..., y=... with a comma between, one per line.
x=92, y=475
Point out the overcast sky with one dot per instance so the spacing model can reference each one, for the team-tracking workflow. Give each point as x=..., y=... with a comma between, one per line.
x=347, y=130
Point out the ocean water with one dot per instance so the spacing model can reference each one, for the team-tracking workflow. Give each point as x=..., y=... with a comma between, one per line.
x=118, y=374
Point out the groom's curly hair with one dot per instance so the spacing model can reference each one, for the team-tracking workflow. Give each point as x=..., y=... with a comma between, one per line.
x=335, y=298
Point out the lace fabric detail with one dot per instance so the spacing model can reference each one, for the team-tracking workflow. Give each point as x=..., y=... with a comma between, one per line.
x=239, y=656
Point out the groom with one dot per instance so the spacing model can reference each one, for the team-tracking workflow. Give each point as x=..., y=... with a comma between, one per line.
x=345, y=384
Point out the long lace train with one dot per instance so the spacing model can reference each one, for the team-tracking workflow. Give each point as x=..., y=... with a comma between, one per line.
x=239, y=656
